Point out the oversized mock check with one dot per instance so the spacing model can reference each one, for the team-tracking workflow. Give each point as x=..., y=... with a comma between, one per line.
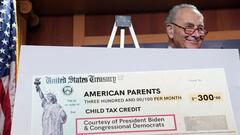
x=177, y=102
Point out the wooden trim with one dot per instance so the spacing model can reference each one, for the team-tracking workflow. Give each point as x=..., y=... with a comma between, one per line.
x=24, y=6
x=159, y=38
x=144, y=38
x=21, y=29
x=26, y=10
x=223, y=35
x=78, y=30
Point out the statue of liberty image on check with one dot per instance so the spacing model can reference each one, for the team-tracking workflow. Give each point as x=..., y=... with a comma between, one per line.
x=53, y=116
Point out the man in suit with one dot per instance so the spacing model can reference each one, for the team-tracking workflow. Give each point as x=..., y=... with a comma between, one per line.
x=185, y=27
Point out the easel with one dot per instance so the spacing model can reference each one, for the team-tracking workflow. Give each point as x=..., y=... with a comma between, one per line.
x=122, y=22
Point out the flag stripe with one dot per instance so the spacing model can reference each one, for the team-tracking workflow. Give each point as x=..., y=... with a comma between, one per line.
x=7, y=63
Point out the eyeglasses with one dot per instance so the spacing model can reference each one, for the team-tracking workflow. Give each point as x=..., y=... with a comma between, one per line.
x=191, y=30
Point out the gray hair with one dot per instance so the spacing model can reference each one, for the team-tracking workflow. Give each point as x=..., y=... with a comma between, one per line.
x=172, y=13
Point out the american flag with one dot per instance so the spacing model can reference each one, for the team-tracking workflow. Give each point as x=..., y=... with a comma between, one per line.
x=7, y=63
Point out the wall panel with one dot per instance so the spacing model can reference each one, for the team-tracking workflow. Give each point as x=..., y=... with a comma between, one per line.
x=59, y=30
x=52, y=30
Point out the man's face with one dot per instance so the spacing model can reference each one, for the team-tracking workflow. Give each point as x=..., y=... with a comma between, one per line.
x=187, y=18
